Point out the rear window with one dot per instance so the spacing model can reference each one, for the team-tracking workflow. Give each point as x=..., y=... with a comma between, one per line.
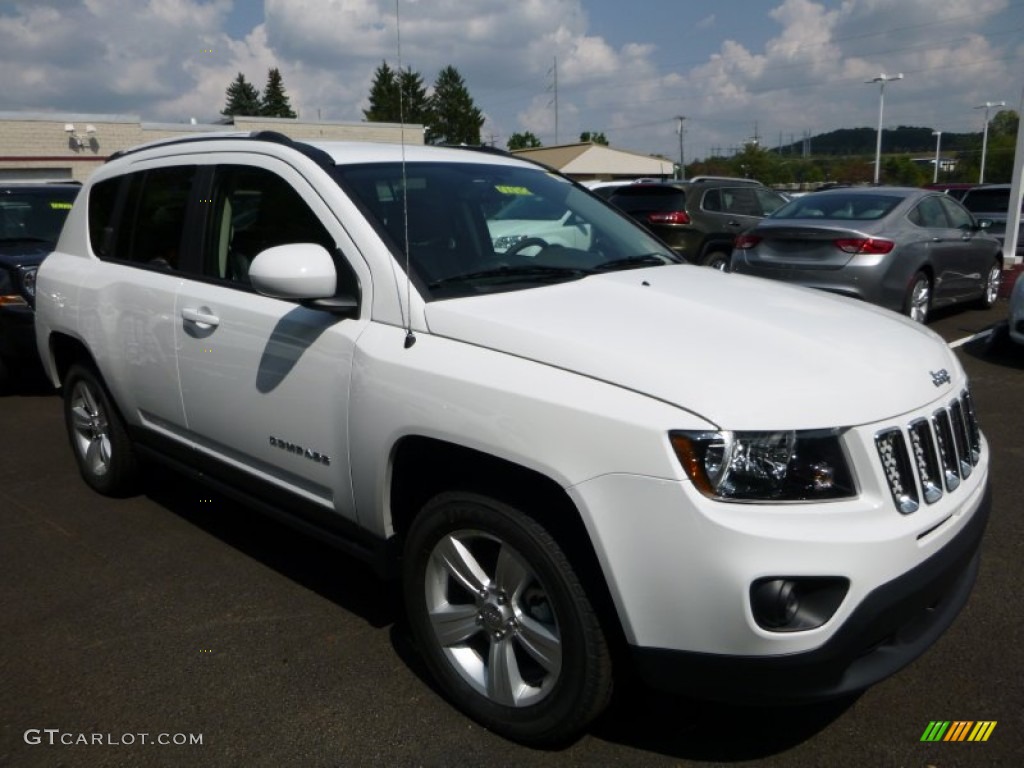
x=994, y=200
x=832, y=206
x=649, y=199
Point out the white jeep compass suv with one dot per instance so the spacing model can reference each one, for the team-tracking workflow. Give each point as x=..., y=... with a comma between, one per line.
x=566, y=475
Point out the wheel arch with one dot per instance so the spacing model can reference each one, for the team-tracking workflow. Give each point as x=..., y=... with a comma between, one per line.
x=65, y=351
x=422, y=467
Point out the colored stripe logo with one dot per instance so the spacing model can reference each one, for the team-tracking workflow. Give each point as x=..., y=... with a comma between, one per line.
x=958, y=730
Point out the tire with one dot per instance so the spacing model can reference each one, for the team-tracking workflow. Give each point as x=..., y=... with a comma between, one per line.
x=503, y=622
x=918, y=301
x=992, y=283
x=104, y=452
x=717, y=260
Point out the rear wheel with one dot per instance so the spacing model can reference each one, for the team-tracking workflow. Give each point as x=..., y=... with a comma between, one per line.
x=992, y=283
x=502, y=620
x=102, y=448
x=717, y=260
x=919, y=298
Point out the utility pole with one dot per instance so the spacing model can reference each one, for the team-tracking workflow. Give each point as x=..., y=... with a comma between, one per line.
x=984, y=141
x=554, y=72
x=682, y=160
x=882, y=79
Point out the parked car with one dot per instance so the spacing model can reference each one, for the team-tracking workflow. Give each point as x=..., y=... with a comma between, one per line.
x=1010, y=334
x=909, y=250
x=955, y=189
x=31, y=217
x=992, y=202
x=700, y=218
x=1016, y=319
x=566, y=483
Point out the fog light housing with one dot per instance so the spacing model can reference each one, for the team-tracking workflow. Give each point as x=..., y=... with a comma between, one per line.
x=796, y=603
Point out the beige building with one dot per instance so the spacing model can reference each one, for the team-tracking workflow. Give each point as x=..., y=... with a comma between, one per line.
x=51, y=145
x=589, y=162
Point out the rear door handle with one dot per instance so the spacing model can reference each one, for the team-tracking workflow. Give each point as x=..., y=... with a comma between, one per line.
x=202, y=316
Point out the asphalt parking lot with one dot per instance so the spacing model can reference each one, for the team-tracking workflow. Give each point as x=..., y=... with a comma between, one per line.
x=175, y=615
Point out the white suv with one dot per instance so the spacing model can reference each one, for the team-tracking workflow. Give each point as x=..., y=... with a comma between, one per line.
x=568, y=477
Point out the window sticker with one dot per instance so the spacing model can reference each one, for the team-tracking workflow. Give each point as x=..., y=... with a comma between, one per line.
x=60, y=205
x=507, y=189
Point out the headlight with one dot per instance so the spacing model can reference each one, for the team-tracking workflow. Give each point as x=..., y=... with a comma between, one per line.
x=503, y=243
x=765, y=466
x=28, y=281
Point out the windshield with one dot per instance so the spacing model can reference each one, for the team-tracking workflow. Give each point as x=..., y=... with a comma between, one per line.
x=473, y=228
x=34, y=214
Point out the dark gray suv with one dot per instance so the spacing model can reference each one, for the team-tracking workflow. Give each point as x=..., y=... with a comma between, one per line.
x=699, y=218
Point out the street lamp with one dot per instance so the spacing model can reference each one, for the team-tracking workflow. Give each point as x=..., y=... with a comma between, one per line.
x=682, y=163
x=938, y=143
x=984, y=140
x=882, y=79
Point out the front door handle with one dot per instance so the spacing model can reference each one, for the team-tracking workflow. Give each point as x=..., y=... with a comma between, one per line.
x=201, y=316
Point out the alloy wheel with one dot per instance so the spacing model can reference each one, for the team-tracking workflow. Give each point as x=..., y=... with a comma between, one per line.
x=493, y=618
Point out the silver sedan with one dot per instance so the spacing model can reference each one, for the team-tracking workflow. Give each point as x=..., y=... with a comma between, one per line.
x=910, y=250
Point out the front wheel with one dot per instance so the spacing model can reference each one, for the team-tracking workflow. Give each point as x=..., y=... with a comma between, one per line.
x=502, y=620
x=102, y=448
x=919, y=298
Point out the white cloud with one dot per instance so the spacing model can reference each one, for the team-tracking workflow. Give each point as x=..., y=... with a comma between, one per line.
x=150, y=57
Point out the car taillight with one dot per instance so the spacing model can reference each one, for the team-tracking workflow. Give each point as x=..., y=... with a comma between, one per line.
x=743, y=242
x=872, y=245
x=669, y=217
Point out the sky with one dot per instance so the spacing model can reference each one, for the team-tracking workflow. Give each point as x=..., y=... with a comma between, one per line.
x=735, y=69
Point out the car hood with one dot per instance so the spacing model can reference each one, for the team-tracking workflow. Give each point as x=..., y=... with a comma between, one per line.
x=741, y=352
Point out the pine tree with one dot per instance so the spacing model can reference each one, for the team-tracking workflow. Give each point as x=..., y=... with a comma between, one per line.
x=242, y=98
x=383, y=96
x=275, y=100
x=455, y=119
x=415, y=104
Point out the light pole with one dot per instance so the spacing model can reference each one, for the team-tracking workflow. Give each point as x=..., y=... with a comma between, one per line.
x=882, y=79
x=938, y=144
x=984, y=136
x=682, y=162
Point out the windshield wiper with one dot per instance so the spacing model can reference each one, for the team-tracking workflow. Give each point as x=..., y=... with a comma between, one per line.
x=529, y=271
x=629, y=262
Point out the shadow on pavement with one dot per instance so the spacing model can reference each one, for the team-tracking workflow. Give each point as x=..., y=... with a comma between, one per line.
x=335, y=576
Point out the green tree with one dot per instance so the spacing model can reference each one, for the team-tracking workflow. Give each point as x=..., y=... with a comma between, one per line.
x=275, y=100
x=593, y=138
x=455, y=119
x=384, y=95
x=397, y=97
x=416, y=107
x=523, y=141
x=242, y=98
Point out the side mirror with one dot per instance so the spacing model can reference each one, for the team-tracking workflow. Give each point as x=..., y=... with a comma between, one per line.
x=984, y=223
x=300, y=271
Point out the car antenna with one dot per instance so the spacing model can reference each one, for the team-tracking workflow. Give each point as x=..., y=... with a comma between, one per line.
x=410, y=339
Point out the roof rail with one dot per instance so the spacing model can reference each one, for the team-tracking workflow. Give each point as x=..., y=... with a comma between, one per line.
x=699, y=179
x=318, y=156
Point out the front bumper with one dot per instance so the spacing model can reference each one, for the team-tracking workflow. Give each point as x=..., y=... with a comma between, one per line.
x=896, y=623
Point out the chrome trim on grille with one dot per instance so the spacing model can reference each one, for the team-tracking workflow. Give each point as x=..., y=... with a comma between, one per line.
x=927, y=455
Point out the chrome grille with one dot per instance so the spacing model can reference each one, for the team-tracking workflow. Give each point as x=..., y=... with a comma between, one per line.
x=929, y=455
